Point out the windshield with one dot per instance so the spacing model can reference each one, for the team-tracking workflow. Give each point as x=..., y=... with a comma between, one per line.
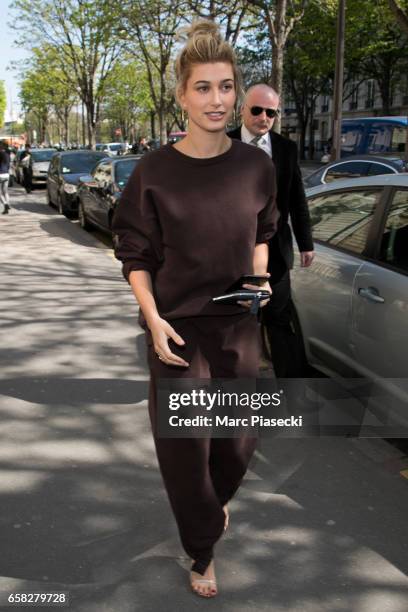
x=75, y=164
x=123, y=170
x=115, y=147
x=42, y=156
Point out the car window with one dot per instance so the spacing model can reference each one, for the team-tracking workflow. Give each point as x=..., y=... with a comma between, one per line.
x=351, y=137
x=84, y=162
x=102, y=173
x=123, y=170
x=379, y=138
x=377, y=168
x=42, y=156
x=343, y=219
x=394, y=241
x=399, y=136
x=346, y=170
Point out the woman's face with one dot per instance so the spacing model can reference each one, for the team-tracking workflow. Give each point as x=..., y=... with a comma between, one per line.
x=209, y=96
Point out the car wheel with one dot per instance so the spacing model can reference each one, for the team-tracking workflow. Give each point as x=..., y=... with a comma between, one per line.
x=83, y=221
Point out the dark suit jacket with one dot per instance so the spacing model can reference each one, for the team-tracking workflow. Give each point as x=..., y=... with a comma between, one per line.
x=291, y=201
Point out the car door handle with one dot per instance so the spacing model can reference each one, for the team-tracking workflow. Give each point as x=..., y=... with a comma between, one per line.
x=371, y=293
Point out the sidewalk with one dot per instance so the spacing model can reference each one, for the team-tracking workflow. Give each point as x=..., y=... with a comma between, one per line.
x=319, y=525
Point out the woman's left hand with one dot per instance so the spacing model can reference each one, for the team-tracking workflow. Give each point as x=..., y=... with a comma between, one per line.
x=265, y=287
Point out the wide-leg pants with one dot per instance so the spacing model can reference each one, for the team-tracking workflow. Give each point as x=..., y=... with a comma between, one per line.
x=202, y=474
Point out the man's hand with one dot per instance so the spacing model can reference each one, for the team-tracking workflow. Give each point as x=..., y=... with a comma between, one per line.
x=306, y=258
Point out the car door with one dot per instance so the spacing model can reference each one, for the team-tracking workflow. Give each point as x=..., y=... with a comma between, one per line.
x=52, y=179
x=380, y=298
x=92, y=193
x=341, y=223
x=102, y=194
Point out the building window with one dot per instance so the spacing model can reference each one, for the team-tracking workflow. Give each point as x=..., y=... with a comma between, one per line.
x=325, y=104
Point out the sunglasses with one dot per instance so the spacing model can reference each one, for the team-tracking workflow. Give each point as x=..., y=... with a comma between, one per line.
x=270, y=112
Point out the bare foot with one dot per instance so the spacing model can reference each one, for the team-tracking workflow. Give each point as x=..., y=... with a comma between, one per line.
x=226, y=522
x=205, y=586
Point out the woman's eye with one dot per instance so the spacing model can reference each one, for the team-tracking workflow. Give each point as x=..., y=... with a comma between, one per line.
x=227, y=87
x=203, y=88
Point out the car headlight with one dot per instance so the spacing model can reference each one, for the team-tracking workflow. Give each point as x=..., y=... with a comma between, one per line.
x=68, y=188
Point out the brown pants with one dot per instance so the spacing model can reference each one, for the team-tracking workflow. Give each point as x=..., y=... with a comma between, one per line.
x=202, y=474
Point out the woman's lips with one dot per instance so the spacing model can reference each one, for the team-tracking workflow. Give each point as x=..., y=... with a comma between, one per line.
x=215, y=116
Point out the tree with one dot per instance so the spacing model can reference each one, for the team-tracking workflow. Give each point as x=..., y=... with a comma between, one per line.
x=35, y=99
x=153, y=24
x=400, y=14
x=375, y=49
x=3, y=102
x=280, y=22
x=127, y=97
x=85, y=34
x=309, y=64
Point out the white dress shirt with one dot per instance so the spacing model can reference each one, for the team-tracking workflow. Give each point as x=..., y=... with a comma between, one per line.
x=263, y=143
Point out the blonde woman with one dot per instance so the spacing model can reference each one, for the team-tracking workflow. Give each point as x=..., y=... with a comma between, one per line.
x=194, y=217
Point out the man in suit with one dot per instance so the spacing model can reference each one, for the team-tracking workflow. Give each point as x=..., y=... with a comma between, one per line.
x=260, y=107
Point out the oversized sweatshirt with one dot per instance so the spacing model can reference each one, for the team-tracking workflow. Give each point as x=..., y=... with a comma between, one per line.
x=193, y=223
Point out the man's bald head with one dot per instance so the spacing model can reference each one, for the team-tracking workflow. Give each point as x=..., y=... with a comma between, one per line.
x=261, y=96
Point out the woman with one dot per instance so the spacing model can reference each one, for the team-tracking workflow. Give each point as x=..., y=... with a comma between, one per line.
x=194, y=217
x=4, y=178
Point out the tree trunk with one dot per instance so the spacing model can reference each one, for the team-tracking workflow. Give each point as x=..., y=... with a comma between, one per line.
x=66, y=126
x=311, y=131
x=91, y=125
x=277, y=81
x=400, y=15
x=153, y=124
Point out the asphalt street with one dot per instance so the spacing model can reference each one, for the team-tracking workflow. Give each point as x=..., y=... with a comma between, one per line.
x=319, y=525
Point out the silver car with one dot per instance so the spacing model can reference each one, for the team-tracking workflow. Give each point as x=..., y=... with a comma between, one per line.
x=352, y=303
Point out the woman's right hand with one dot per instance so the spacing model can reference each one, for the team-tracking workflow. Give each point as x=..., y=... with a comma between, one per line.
x=161, y=332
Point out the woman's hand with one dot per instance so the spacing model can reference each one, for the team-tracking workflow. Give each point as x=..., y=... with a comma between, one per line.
x=161, y=332
x=265, y=286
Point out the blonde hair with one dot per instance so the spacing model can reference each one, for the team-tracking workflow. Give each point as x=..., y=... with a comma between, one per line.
x=204, y=44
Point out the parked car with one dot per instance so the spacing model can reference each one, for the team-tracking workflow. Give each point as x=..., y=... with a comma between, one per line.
x=355, y=166
x=63, y=174
x=39, y=163
x=99, y=192
x=351, y=305
x=112, y=148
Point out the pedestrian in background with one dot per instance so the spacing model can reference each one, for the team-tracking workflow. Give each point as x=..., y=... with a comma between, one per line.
x=185, y=234
x=4, y=177
x=259, y=110
x=25, y=161
x=144, y=146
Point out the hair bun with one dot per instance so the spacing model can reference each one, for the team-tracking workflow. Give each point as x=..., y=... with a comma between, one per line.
x=198, y=29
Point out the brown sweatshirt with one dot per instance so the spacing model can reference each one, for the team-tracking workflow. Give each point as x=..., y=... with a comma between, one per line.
x=193, y=224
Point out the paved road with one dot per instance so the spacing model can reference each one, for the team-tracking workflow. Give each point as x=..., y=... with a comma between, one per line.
x=319, y=525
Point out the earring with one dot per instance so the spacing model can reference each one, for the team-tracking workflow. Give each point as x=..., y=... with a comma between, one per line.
x=234, y=116
x=182, y=115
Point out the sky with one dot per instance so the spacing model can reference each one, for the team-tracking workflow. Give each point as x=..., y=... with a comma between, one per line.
x=8, y=53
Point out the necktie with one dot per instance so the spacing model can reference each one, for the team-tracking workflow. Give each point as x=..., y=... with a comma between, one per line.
x=255, y=141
